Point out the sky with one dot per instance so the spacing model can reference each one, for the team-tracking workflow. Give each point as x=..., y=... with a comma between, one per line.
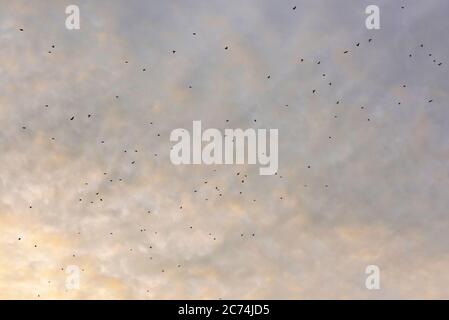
x=363, y=161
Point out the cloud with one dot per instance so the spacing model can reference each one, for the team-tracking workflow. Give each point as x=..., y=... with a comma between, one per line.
x=375, y=192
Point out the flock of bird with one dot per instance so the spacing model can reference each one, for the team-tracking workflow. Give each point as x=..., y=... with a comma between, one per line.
x=95, y=196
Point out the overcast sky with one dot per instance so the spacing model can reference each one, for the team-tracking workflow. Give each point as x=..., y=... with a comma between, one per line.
x=363, y=181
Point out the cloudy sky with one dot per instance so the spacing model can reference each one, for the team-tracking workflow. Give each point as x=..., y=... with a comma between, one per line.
x=363, y=181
